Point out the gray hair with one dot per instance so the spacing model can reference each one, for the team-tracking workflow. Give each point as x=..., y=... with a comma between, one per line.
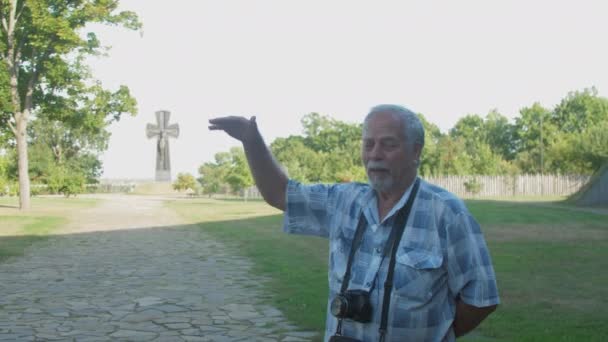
x=413, y=129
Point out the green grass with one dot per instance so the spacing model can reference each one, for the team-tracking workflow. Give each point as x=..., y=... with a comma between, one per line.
x=19, y=230
x=550, y=263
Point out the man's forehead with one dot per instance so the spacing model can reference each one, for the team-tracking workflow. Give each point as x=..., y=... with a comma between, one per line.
x=383, y=129
x=381, y=135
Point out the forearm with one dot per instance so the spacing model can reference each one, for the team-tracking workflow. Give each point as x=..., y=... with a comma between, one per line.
x=268, y=176
x=469, y=317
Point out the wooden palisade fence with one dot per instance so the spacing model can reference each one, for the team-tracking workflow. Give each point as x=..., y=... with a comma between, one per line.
x=497, y=186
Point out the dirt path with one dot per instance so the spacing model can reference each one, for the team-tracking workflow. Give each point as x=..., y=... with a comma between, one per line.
x=130, y=270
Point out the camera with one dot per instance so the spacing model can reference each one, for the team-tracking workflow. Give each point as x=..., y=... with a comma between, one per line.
x=352, y=304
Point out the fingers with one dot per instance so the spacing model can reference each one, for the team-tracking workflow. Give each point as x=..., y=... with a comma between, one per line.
x=221, y=120
x=220, y=123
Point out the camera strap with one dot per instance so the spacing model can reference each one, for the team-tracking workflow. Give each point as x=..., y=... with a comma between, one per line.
x=353, y=249
x=394, y=240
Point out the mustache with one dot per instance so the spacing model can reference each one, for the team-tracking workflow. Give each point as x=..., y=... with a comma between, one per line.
x=376, y=165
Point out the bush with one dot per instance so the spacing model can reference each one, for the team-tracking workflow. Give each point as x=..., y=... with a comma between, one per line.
x=472, y=186
x=66, y=182
x=184, y=181
x=4, y=186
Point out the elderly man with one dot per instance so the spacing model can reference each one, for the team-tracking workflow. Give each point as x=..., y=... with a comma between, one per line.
x=407, y=262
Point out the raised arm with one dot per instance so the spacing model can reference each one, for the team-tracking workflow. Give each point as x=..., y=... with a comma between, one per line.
x=268, y=176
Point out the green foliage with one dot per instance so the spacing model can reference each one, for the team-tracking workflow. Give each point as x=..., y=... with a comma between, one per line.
x=55, y=143
x=7, y=179
x=5, y=109
x=4, y=186
x=472, y=186
x=429, y=160
x=238, y=176
x=452, y=157
x=62, y=180
x=580, y=110
x=229, y=171
x=328, y=152
x=580, y=146
x=539, y=140
x=487, y=145
x=184, y=181
x=527, y=138
x=45, y=53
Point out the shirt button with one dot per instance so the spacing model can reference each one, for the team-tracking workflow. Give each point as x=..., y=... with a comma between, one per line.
x=368, y=284
x=378, y=250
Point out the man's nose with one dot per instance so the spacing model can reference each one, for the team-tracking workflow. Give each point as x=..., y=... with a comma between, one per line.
x=376, y=153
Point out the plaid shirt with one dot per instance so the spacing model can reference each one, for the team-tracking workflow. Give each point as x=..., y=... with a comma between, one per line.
x=442, y=256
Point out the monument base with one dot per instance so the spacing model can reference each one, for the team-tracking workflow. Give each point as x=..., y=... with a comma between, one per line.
x=163, y=176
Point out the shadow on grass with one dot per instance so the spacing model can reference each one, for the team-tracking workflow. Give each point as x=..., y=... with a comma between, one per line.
x=15, y=246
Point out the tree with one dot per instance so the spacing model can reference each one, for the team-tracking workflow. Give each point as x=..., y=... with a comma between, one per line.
x=184, y=181
x=500, y=135
x=211, y=178
x=472, y=131
x=579, y=145
x=63, y=180
x=67, y=144
x=230, y=169
x=429, y=161
x=530, y=148
x=238, y=177
x=43, y=51
x=300, y=161
x=453, y=158
x=580, y=110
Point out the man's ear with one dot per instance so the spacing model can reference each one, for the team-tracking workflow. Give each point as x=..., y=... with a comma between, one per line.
x=418, y=151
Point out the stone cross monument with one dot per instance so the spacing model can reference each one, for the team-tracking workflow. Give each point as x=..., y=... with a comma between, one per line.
x=162, y=130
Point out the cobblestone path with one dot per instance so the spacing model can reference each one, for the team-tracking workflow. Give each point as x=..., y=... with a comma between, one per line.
x=129, y=270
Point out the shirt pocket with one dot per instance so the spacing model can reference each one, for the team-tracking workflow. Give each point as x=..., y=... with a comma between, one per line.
x=418, y=275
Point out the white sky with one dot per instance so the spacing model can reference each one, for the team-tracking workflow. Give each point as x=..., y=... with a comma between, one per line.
x=280, y=60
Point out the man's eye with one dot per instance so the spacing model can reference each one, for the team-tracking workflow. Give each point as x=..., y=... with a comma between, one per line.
x=389, y=145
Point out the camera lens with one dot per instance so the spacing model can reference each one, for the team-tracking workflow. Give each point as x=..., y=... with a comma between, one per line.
x=339, y=306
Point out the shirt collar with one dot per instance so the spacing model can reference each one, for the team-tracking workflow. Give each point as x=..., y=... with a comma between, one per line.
x=370, y=206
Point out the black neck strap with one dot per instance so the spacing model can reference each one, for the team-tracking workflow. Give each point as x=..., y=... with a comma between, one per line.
x=394, y=240
x=353, y=249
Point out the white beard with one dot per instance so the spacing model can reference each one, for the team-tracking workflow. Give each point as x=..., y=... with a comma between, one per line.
x=381, y=184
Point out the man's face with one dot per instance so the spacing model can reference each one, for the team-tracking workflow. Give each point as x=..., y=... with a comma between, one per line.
x=389, y=161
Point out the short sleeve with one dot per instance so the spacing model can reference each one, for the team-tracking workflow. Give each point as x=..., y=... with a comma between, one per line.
x=308, y=207
x=470, y=271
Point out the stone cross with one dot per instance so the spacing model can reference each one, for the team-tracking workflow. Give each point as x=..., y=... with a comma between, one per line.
x=162, y=130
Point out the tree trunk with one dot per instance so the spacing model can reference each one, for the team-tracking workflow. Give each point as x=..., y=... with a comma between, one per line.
x=12, y=58
x=24, y=176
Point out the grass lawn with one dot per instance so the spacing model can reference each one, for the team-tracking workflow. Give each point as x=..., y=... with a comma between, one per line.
x=550, y=262
x=19, y=230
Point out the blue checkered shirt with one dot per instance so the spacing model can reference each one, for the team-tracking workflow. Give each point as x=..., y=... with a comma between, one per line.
x=441, y=257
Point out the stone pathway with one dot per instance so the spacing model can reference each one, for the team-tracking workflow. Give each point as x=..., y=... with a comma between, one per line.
x=126, y=271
